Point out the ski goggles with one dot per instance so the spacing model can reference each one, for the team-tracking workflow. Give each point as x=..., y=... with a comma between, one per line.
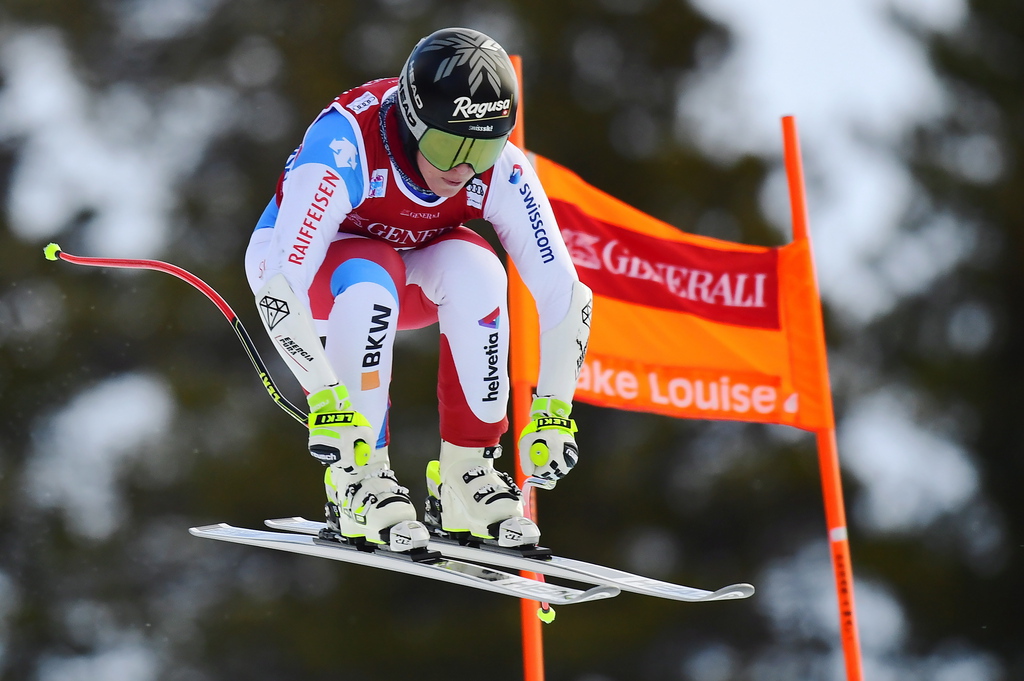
x=444, y=150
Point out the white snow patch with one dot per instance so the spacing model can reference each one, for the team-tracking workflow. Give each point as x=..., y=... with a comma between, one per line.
x=857, y=83
x=110, y=159
x=799, y=597
x=80, y=449
x=715, y=662
x=910, y=475
x=129, y=661
x=162, y=19
x=797, y=593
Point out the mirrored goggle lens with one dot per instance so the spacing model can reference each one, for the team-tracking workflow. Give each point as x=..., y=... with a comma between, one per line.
x=444, y=150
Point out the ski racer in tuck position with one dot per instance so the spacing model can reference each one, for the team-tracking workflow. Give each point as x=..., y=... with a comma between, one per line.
x=365, y=237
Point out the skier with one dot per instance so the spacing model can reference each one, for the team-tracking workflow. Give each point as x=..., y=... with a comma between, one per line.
x=365, y=237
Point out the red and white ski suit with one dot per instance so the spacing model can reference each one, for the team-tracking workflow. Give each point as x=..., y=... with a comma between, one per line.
x=373, y=253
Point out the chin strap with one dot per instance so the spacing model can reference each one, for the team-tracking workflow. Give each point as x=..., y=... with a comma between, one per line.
x=405, y=165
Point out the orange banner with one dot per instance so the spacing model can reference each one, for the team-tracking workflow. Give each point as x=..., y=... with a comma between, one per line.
x=685, y=325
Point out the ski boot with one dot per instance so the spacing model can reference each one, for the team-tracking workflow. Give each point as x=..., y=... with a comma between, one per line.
x=368, y=508
x=469, y=500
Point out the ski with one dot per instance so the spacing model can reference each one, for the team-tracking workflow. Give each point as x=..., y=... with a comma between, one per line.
x=553, y=566
x=434, y=566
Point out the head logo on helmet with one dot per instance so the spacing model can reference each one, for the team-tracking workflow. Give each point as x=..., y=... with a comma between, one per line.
x=457, y=95
x=484, y=56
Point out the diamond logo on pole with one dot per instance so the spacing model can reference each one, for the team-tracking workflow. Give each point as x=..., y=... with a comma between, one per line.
x=273, y=311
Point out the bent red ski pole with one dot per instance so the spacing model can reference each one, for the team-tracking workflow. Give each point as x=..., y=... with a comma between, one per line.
x=54, y=252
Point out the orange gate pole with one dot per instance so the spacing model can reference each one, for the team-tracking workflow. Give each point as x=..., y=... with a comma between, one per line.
x=828, y=455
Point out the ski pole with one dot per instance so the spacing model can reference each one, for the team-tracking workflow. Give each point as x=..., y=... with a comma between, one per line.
x=54, y=252
x=545, y=613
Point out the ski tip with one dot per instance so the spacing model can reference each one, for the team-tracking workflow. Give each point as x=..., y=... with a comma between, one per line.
x=597, y=593
x=733, y=592
x=51, y=251
x=206, y=529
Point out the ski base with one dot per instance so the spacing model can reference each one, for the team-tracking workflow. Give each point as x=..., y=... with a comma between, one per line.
x=438, y=568
x=553, y=566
